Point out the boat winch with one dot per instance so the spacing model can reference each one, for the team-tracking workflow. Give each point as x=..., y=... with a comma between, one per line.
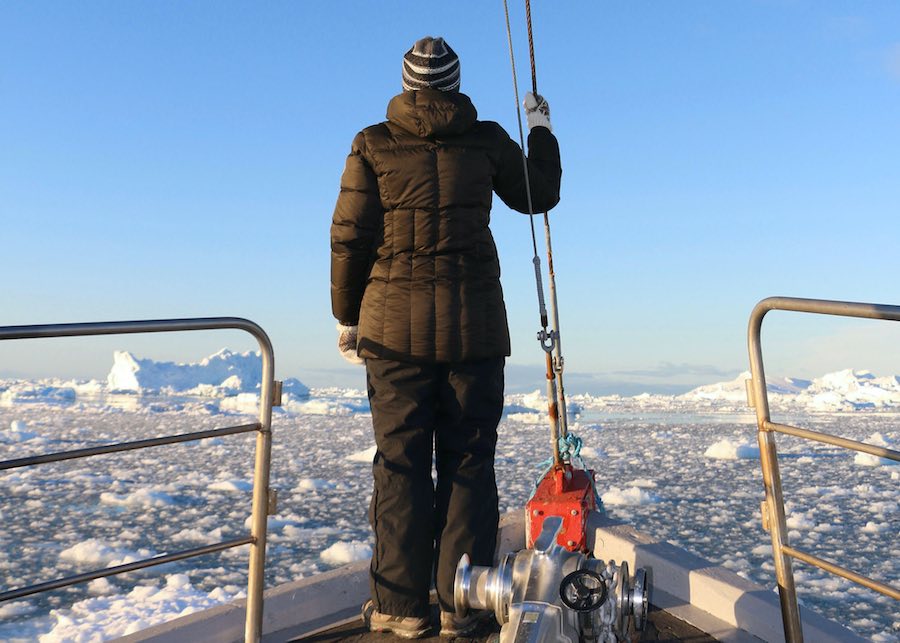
x=550, y=594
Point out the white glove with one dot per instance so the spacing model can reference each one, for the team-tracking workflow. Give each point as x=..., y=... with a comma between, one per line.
x=537, y=110
x=347, y=336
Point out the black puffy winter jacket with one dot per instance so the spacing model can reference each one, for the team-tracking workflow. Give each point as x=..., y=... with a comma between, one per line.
x=412, y=257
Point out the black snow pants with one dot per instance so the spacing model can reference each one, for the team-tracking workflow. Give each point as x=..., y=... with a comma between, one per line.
x=422, y=528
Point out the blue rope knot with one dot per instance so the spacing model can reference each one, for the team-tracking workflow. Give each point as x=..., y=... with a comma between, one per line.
x=570, y=449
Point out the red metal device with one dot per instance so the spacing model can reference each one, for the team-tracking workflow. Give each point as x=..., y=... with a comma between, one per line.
x=566, y=492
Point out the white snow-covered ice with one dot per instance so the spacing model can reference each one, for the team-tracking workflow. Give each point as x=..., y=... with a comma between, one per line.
x=341, y=553
x=683, y=468
x=728, y=449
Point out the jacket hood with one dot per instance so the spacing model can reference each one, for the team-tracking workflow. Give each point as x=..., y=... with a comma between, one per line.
x=431, y=112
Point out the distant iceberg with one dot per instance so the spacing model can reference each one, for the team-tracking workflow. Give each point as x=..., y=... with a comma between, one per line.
x=735, y=390
x=223, y=374
x=850, y=390
x=846, y=390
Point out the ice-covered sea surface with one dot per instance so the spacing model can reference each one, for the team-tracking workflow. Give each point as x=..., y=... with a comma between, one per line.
x=683, y=470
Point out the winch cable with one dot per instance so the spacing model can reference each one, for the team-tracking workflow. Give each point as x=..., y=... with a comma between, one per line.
x=549, y=340
x=558, y=361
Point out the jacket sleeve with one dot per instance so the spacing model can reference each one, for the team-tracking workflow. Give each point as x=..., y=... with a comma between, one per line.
x=544, y=171
x=357, y=219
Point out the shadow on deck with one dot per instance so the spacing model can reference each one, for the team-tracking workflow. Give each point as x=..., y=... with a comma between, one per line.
x=661, y=626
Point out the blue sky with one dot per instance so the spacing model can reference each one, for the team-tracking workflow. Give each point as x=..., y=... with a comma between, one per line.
x=175, y=159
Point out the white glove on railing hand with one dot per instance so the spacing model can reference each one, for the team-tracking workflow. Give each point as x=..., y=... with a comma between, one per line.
x=347, y=336
x=537, y=111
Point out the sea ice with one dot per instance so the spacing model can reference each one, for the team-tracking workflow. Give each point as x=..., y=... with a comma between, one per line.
x=226, y=370
x=97, y=553
x=366, y=455
x=17, y=432
x=104, y=617
x=592, y=453
x=101, y=587
x=729, y=450
x=341, y=553
x=139, y=497
x=527, y=418
x=535, y=400
x=868, y=460
x=231, y=485
x=317, y=407
x=16, y=608
x=241, y=403
x=128, y=506
x=311, y=484
x=630, y=496
x=643, y=483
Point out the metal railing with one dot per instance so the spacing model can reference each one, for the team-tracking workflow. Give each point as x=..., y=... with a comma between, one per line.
x=773, y=506
x=263, y=498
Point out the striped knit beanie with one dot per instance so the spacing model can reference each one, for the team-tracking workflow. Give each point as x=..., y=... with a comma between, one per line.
x=431, y=64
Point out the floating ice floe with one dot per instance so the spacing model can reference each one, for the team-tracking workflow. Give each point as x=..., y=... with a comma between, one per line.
x=197, y=536
x=876, y=527
x=312, y=484
x=629, y=496
x=300, y=534
x=342, y=553
x=101, y=587
x=868, y=460
x=319, y=407
x=800, y=521
x=31, y=393
x=277, y=523
x=16, y=608
x=729, y=450
x=592, y=452
x=145, y=497
x=17, y=433
x=363, y=456
x=231, y=485
x=96, y=552
x=241, y=403
x=527, y=418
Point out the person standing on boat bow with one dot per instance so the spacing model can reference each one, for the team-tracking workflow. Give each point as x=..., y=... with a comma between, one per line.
x=415, y=287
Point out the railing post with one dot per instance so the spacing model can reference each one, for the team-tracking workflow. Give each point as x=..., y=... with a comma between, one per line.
x=259, y=518
x=784, y=573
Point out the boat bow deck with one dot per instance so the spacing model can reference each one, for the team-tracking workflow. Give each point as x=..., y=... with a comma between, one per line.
x=712, y=600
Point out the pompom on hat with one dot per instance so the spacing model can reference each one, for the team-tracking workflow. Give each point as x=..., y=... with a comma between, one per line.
x=431, y=64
